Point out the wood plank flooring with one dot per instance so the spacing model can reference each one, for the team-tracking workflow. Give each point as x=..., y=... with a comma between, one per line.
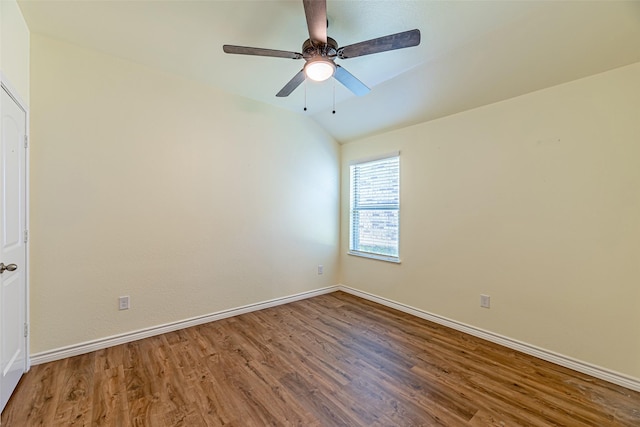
x=332, y=360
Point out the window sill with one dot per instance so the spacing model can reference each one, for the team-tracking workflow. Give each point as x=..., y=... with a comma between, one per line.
x=386, y=258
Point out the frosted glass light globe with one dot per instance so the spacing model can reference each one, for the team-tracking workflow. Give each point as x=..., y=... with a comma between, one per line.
x=319, y=70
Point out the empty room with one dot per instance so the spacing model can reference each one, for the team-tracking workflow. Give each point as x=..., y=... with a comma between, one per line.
x=320, y=213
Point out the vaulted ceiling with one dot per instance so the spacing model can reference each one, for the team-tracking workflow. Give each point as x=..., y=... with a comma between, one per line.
x=472, y=53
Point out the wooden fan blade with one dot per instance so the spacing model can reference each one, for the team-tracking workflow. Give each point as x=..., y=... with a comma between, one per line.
x=316, y=13
x=381, y=44
x=350, y=81
x=257, y=51
x=292, y=85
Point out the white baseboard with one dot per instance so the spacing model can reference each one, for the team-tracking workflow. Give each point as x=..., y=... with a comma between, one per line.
x=93, y=345
x=558, y=359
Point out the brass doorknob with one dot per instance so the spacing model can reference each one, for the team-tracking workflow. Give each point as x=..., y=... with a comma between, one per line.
x=10, y=267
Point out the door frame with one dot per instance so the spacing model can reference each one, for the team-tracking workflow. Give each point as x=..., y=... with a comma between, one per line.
x=6, y=85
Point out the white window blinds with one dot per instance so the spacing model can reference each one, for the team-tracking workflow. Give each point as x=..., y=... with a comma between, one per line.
x=375, y=208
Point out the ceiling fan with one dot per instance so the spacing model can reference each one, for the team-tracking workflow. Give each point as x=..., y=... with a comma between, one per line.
x=320, y=51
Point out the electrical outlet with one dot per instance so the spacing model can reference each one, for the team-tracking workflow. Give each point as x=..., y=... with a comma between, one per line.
x=320, y=269
x=485, y=301
x=123, y=303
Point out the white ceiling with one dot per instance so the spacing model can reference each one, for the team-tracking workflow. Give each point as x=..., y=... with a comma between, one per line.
x=472, y=53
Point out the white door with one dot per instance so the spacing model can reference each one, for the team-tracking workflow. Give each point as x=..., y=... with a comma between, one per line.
x=13, y=266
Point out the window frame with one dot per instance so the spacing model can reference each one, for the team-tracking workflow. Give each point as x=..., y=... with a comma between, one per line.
x=351, y=231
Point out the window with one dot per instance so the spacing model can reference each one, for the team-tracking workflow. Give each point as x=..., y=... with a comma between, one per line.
x=375, y=208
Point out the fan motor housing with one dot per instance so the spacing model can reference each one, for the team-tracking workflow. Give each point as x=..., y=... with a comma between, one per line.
x=311, y=49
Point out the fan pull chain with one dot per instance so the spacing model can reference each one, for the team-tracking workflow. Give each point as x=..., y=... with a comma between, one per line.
x=305, y=94
x=334, y=97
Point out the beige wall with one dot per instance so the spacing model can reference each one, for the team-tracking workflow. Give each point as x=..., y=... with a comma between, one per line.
x=534, y=201
x=193, y=201
x=14, y=49
x=187, y=199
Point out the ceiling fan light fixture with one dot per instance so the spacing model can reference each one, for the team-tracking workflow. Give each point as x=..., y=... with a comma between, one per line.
x=319, y=69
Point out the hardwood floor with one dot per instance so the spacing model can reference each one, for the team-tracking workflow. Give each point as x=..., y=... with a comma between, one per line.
x=333, y=360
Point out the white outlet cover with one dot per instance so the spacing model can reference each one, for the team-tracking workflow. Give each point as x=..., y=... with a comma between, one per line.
x=485, y=301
